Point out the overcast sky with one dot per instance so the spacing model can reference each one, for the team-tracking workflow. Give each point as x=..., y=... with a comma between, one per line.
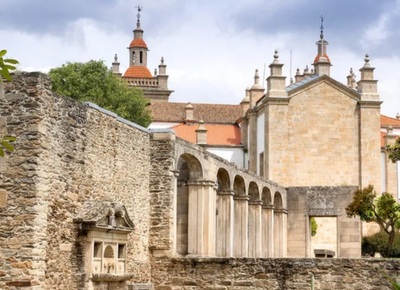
x=211, y=48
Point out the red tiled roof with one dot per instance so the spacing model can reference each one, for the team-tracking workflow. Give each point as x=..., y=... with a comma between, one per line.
x=217, y=134
x=388, y=121
x=138, y=42
x=136, y=71
x=209, y=113
x=319, y=56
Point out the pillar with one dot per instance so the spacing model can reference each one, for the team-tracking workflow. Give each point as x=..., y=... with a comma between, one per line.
x=240, y=237
x=202, y=209
x=280, y=239
x=255, y=228
x=267, y=231
x=224, y=230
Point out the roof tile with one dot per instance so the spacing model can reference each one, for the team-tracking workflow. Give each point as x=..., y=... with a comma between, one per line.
x=137, y=71
x=217, y=134
x=209, y=113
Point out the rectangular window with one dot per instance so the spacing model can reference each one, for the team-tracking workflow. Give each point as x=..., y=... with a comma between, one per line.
x=261, y=164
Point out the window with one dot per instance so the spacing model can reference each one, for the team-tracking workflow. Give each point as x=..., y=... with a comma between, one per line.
x=133, y=57
x=109, y=258
x=261, y=164
x=141, y=57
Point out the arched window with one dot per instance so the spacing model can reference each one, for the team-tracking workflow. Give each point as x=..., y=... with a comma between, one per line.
x=133, y=57
x=141, y=57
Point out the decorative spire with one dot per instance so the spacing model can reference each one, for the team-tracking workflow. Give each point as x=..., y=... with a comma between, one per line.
x=322, y=27
x=139, y=8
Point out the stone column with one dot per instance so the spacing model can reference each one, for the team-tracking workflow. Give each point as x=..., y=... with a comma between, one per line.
x=240, y=236
x=255, y=228
x=202, y=209
x=280, y=239
x=224, y=231
x=267, y=231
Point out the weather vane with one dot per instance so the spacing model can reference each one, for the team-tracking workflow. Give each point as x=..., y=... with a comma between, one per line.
x=322, y=27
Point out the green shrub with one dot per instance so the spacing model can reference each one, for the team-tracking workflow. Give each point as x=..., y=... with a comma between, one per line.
x=377, y=243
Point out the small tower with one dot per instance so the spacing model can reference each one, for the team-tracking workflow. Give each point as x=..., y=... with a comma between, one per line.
x=367, y=86
x=322, y=63
x=138, y=75
x=256, y=90
x=276, y=81
x=115, y=66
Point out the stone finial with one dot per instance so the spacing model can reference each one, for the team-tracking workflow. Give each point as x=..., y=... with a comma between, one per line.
x=390, y=130
x=116, y=58
x=297, y=72
x=155, y=72
x=276, y=56
x=189, y=112
x=398, y=116
x=201, y=134
x=256, y=77
x=162, y=60
x=367, y=59
x=306, y=70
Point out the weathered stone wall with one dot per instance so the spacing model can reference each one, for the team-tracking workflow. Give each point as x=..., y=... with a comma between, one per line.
x=66, y=153
x=273, y=274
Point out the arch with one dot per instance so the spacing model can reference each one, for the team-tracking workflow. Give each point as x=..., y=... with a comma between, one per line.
x=141, y=57
x=223, y=180
x=133, y=57
x=266, y=196
x=279, y=222
x=239, y=185
x=189, y=168
x=253, y=191
x=278, y=200
x=224, y=216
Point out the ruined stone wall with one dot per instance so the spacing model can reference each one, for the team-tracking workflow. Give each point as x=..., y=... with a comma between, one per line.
x=66, y=153
x=273, y=274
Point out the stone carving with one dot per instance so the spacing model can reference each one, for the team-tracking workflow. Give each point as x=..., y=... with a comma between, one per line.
x=105, y=215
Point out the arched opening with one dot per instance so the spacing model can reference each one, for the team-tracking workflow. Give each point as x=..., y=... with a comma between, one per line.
x=267, y=224
x=278, y=225
x=254, y=219
x=133, y=57
x=224, y=215
x=189, y=169
x=241, y=214
x=141, y=57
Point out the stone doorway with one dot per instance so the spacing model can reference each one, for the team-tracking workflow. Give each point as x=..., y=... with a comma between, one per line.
x=324, y=237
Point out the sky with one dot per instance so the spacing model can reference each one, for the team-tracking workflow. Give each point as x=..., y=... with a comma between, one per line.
x=211, y=48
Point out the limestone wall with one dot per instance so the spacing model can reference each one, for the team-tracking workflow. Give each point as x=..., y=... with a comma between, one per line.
x=66, y=153
x=273, y=274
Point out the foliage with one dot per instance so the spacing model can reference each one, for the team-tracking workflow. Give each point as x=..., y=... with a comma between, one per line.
x=93, y=81
x=6, y=145
x=314, y=226
x=6, y=66
x=377, y=243
x=394, y=151
x=383, y=210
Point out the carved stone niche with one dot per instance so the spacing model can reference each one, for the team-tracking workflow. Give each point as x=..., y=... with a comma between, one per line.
x=106, y=226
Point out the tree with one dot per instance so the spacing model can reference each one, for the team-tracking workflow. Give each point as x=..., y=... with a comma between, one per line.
x=383, y=210
x=6, y=66
x=93, y=81
x=394, y=151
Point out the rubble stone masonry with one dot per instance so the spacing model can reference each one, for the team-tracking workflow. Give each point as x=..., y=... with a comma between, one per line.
x=66, y=153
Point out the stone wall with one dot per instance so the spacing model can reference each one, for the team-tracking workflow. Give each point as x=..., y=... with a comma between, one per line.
x=66, y=153
x=273, y=274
